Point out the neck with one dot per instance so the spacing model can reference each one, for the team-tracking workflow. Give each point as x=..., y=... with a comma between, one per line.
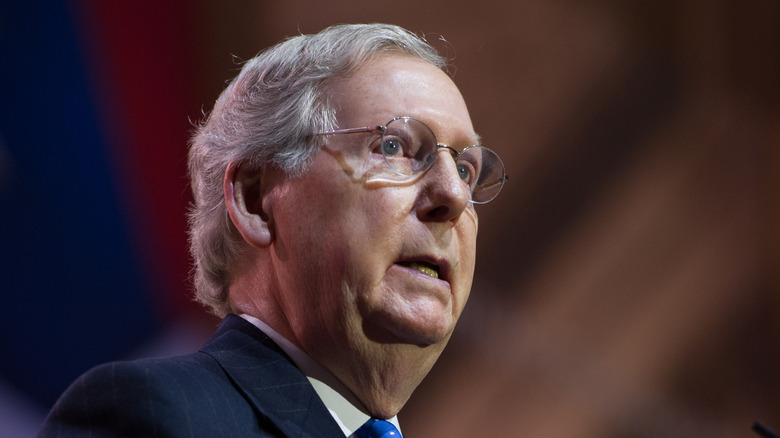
x=383, y=376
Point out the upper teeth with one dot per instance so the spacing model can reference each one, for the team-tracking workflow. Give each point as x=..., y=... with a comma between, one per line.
x=427, y=270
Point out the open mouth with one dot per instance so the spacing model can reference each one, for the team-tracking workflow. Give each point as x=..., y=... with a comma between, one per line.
x=426, y=268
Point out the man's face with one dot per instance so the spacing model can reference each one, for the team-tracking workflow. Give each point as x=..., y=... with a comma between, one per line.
x=353, y=257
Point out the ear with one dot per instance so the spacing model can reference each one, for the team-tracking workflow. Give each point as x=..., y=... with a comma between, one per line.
x=243, y=199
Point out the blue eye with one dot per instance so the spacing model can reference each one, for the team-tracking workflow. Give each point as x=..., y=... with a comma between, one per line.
x=390, y=147
x=463, y=172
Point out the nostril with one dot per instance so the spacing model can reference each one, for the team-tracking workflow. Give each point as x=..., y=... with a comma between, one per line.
x=440, y=213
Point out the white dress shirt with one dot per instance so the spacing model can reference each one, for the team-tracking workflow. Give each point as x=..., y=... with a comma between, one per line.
x=342, y=404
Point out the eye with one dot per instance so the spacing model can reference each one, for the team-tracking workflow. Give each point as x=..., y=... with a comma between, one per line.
x=470, y=165
x=466, y=171
x=391, y=147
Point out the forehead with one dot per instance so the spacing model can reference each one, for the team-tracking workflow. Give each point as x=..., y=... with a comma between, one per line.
x=396, y=85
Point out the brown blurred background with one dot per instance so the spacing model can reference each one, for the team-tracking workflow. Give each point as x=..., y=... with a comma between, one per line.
x=627, y=278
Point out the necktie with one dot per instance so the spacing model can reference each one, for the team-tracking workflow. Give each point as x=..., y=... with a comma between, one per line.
x=374, y=428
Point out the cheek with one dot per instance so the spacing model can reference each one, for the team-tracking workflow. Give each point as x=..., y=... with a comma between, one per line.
x=359, y=237
x=471, y=214
x=467, y=228
x=467, y=236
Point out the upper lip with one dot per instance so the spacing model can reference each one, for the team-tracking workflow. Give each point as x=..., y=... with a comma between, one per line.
x=441, y=264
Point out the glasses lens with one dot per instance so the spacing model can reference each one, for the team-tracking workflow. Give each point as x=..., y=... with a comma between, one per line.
x=408, y=146
x=483, y=170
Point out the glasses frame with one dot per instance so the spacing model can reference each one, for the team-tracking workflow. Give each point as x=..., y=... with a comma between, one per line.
x=455, y=154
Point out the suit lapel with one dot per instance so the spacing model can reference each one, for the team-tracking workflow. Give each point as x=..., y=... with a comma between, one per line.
x=269, y=380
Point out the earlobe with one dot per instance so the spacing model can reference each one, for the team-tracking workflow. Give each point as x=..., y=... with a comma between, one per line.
x=243, y=200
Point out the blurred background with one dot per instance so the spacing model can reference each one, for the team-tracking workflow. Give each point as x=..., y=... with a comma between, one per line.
x=627, y=280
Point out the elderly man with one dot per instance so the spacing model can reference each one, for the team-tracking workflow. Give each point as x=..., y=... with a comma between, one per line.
x=333, y=229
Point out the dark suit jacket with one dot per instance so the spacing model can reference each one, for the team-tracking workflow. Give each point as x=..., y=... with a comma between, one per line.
x=239, y=384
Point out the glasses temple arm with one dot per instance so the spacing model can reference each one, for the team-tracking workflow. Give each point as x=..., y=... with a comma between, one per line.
x=351, y=130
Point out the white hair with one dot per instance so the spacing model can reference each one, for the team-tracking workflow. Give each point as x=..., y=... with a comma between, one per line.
x=267, y=117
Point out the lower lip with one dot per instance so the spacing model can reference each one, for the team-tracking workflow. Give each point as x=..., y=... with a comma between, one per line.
x=411, y=285
x=421, y=275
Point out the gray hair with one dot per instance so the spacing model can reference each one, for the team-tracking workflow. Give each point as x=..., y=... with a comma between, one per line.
x=267, y=117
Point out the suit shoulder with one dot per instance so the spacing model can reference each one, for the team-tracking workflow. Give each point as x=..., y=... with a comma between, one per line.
x=149, y=397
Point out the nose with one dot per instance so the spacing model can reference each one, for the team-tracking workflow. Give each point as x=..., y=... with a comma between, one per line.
x=443, y=195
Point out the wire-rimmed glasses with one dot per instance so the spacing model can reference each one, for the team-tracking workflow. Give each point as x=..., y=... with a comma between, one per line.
x=410, y=148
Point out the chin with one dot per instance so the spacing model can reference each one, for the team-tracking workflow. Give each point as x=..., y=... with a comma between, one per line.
x=420, y=330
x=425, y=337
x=406, y=315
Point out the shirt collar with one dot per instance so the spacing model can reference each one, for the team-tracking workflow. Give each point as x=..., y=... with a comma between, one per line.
x=342, y=404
